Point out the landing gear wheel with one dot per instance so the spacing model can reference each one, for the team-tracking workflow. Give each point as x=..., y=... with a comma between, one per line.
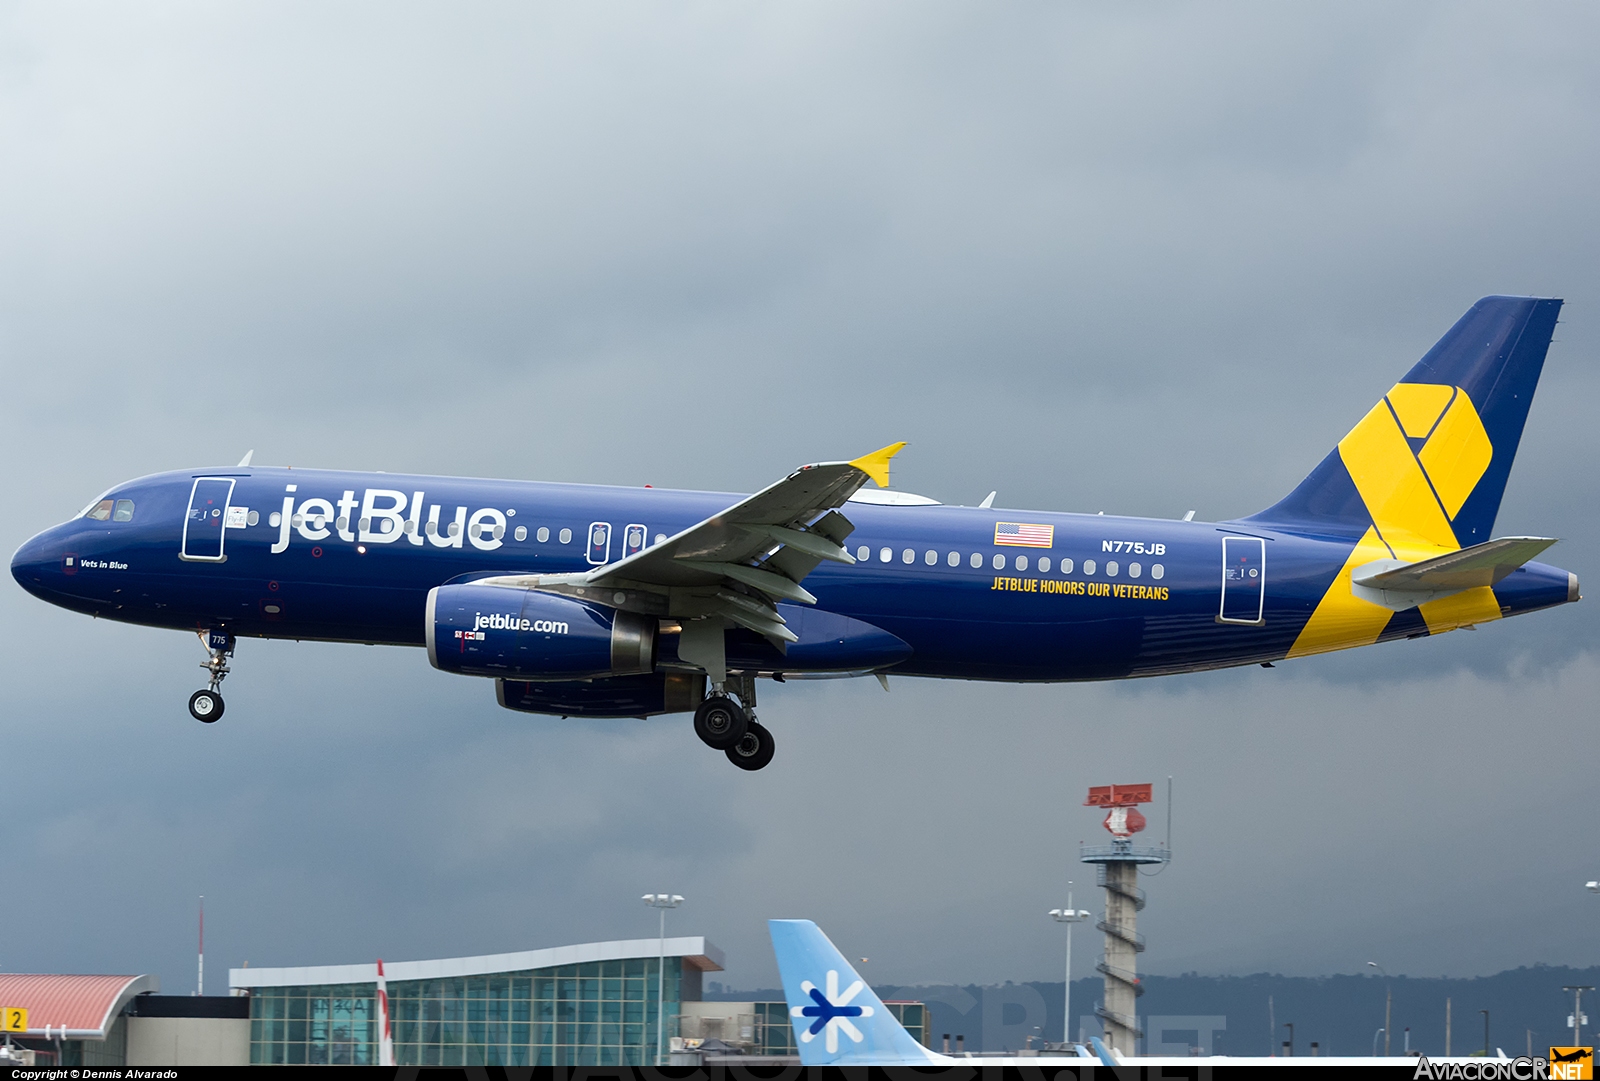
x=205, y=706
x=719, y=722
x=754, y=749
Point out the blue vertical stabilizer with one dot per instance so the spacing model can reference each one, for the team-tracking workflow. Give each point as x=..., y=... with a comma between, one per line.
x=1440, y=444
x=838, y=1020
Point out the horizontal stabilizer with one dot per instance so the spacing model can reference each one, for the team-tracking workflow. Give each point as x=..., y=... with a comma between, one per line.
x=1396, y=584
x=1481, y=565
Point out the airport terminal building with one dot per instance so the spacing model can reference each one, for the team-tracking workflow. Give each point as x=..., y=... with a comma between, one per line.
x=595, y=1004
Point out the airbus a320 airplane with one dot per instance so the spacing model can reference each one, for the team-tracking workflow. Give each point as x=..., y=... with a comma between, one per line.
x=591, y=601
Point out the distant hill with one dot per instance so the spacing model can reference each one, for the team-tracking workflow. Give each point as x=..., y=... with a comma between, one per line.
x=1341, y=1013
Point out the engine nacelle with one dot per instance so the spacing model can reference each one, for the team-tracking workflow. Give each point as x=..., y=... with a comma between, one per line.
x=521, y=634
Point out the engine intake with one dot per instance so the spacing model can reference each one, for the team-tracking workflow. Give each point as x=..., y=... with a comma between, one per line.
x=522, y=634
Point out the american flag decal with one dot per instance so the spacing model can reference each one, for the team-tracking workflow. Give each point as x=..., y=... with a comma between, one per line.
x=1023, y=535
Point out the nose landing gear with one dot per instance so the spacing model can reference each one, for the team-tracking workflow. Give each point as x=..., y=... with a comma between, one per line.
x=206, y=706
x=724, y=725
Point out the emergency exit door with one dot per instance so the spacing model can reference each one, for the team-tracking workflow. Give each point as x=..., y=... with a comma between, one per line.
x=599, y=543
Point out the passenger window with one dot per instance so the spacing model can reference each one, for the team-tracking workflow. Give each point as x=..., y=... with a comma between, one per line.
x=1022, y=563
x=930, y=557
x=100, y=512
x=955, y=559
x=999, y=562
x=124, y=511
x=566, y=536
x=863, y=554
x=1044, y=563
x=977, y=559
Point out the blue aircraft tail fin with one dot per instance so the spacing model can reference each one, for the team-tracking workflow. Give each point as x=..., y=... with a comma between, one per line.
x=838, y=1020
x=1427, y=466
x=1103, y=1052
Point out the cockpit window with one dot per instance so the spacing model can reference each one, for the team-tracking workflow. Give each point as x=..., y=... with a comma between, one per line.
x=124, y=511
x=100, y=511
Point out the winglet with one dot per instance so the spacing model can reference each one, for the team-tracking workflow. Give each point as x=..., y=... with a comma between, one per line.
x=876, y=464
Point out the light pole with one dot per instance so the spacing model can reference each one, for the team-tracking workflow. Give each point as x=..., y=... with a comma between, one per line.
x=1388, y=1004
x=1577, y=1010
x=1485, y=1032
x=661, y=902
x=1375, y=1036
x=1068, y=916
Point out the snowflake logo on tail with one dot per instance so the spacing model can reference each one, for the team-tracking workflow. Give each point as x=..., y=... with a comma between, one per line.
x=831, y=1012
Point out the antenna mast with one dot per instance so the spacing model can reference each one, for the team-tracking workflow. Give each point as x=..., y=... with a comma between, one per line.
x=200, y=981
x=1168, y=845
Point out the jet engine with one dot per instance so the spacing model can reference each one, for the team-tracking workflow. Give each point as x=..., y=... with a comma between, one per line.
x=521, y=634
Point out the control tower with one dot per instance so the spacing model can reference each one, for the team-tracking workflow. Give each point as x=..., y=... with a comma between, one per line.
x=1119, y=875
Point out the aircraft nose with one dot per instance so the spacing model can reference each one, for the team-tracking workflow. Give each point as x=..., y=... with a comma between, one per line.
x=39, y=564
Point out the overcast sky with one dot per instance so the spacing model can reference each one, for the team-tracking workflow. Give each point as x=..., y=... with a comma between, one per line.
x=1136, y=258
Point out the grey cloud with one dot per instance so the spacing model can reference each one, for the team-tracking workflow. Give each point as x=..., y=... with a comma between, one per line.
x=1135, y=259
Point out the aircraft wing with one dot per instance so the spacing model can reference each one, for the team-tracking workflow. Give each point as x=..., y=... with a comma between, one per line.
x=739, y=562
x=1480, y=565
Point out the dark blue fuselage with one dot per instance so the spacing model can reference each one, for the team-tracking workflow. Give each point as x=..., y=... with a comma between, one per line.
x=1113, y=598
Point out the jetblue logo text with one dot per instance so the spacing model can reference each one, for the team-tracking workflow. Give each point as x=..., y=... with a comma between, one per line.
x=383, y=516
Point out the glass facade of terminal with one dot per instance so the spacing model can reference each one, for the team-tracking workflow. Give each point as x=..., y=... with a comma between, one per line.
x=601, y=1013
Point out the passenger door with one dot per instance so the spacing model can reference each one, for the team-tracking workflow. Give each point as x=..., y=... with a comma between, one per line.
x=207, y=520
x=1244, y=580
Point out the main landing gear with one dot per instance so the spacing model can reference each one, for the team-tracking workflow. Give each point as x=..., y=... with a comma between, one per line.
x=206, y=706
x=723, y=725
x=754, y=749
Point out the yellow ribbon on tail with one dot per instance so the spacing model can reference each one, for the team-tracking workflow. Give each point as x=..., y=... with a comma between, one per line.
x=1413, y=496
